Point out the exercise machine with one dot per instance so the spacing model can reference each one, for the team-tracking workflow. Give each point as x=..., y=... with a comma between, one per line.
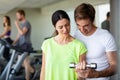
x=13, y=66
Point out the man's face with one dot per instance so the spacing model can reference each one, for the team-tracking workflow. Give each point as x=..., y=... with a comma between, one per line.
x=85, y=26
x=18, y=16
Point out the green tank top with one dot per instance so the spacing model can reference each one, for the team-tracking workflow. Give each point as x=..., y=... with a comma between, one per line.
x=58, y=57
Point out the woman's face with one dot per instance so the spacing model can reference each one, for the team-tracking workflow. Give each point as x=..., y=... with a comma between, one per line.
x=4, y=19
x=63, y=27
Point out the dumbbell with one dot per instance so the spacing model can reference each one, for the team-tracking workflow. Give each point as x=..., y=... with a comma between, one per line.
x=92, y=65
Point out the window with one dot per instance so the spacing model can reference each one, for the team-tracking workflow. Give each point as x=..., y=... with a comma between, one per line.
x=101, y=11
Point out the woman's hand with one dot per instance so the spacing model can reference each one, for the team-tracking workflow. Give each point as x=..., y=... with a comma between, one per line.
x=81, y=65
x=84, y=72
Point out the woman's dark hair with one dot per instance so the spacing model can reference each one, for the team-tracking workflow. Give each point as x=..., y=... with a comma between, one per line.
x=58, y=15
x=84, y=11
x=8, y=21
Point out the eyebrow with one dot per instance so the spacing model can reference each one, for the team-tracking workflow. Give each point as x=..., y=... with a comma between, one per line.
x=85, y=24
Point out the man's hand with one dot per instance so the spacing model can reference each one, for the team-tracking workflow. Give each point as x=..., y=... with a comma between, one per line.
x=16, y=23
x=86, y=73
x=91, y=73
x=21, y=31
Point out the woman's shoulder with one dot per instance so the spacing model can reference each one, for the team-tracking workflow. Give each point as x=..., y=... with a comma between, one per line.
x=79, y=45
x=8, y=28
x=48, y=40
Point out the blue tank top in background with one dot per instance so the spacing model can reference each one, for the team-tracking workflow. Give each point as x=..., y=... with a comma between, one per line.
x=8, y=33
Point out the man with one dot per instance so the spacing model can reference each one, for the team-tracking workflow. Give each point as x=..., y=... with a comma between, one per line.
x=101, y=47
x=23, y=39
x=106, y=23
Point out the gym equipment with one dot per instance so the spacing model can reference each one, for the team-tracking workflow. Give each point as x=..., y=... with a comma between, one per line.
x=9, y=73
x=92, y=65
x=3, y=61
x=2, y=47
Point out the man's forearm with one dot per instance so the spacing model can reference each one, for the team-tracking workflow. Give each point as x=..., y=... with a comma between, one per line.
x=112, y=69
x=107, y=72
x=19, y=30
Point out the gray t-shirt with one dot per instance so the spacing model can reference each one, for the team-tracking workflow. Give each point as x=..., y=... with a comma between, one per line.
x=26, y=38
x=106, y=25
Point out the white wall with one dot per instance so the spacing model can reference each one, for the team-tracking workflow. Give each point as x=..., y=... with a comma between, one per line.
x=102, y=9
x=41, y=25
x=40, y=19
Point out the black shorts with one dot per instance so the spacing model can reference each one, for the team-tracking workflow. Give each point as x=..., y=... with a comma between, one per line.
x=6, y=53
x=25, y=46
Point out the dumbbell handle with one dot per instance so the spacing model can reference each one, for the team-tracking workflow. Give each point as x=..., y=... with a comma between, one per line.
x=92, y=65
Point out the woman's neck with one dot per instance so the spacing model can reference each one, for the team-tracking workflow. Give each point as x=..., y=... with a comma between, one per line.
x=63, y=39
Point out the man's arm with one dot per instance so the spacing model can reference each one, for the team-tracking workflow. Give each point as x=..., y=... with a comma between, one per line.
x=91, y=73
x=112, y=69
x=21, y=31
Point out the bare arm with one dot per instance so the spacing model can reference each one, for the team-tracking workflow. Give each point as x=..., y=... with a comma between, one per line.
x=4, y=32
x=111, y=70
x=21, y=31
x=42, y=74
x=91, y=73
x=82, y=59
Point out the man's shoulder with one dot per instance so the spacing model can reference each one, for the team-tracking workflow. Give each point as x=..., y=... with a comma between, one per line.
x=103, y=32
x=105, y=21
x=26, y=22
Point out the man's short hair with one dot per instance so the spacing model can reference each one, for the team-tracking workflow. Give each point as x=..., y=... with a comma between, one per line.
x=108, y=14
x=84, y=11
x=22, y=12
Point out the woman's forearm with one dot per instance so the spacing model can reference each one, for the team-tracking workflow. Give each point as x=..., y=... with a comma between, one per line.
x=42, y=75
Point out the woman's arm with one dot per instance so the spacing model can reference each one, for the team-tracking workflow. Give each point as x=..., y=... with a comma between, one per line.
x=6, y=29
x=42, y=74
x=82, y=59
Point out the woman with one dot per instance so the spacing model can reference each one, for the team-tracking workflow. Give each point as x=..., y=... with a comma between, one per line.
x=59, y=51
x=6, y=35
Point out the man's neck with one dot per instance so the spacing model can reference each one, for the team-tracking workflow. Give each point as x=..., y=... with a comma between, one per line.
x=92, y=30
x=108, y=19
x=23, y=20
